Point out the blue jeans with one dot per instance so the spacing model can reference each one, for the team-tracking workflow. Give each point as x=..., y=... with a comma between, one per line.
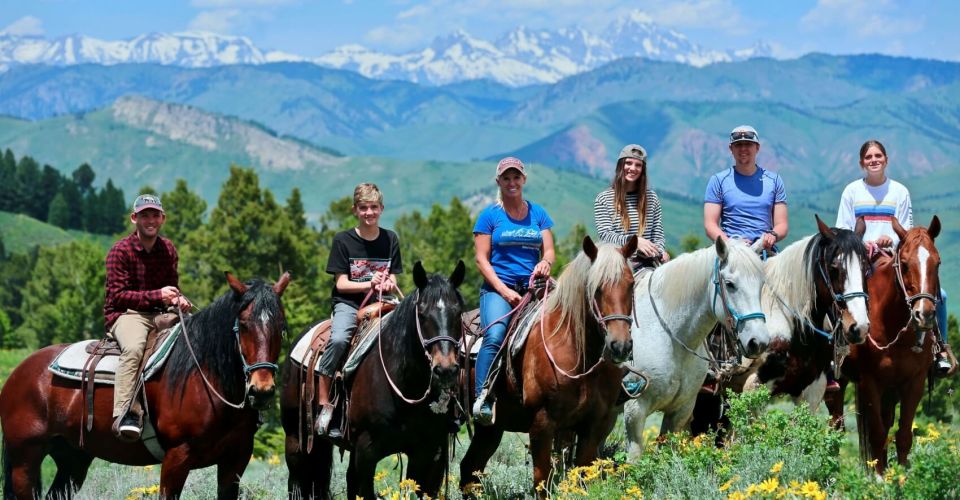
x=492, y=306
x=942, y=315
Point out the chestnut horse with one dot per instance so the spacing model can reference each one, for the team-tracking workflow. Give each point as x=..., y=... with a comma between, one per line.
x=568, y=369
x=229, y=348
x=401, y=397
x=820, y=276
x=904, y=290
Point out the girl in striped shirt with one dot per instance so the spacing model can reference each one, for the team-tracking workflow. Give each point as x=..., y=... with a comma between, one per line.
x=630, y=207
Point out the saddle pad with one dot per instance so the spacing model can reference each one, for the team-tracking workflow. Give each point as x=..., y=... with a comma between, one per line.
x=367, y=335
x=524, y=324
x=303, y=345
x=70, y=362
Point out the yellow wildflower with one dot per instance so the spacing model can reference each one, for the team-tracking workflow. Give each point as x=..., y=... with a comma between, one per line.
x=274, y=459
x=634, y=492
x=811, y=489
x=901, y=479
x=872, y=463
x=769, y=486
x=698, y=441
x=777, y=467
x=736, y=495
x=147, y=468
x=409, y=485
x=726, y=486
x=379, y=476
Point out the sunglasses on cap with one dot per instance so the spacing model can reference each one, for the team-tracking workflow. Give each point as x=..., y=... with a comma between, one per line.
x=743, y=135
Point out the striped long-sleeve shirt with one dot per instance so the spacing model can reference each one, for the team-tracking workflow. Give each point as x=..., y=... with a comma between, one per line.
x=610, y=228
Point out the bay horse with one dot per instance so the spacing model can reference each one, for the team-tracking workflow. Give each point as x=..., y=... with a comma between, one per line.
x=226, y=353
x=568, y=373
x=677, y=305
x=904, y=289
x=401, y=398
x=820, y=276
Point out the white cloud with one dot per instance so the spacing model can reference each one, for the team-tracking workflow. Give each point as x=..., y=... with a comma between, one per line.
x=415, y=11
x=863, y=18
x=222, y=21
x=400, y=37
x=706, y=14
x=25, y=26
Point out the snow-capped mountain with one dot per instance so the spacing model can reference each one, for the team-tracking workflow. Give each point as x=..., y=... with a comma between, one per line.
x=189, y=49
x=520, y=57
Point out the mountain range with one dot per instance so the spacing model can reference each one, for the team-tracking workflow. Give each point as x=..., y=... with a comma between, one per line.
x=520, y=57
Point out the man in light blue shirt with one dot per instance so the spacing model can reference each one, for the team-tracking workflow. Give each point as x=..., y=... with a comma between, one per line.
x=746, y=201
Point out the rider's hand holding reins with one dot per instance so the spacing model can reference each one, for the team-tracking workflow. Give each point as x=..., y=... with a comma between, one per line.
x=542, y=269
x=646, y=248
x=171, y=296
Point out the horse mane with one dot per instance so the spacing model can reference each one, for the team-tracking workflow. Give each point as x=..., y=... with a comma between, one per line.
x=400, y=329
x=790, y=277
x=214, y=343
x=577, y=284
x=694, y=271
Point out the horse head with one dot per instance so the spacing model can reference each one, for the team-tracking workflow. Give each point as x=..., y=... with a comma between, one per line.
x=259, y=329
x=917, y=267
x=738, y=280
x=438, y=309
x=610, y=282
x=841, y=262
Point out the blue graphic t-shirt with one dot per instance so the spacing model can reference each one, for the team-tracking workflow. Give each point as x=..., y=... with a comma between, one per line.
x=747, y=201
x=514, y=244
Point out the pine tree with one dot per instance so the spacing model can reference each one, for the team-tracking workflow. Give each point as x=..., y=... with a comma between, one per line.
x=83, y=176
x=8, y=182
x=113, y=208
x=50, y=181
x=28, y=183
x=73, y=198
x=59, y=214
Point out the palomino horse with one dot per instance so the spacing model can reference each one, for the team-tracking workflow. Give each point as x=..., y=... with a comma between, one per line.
x=817, y=277
x=904, y=289
x=568, y=368
x=677, y=305
x=228, y=352
x=401, y=397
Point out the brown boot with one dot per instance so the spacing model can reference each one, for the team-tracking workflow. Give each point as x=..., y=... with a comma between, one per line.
x=326, y=408
x=946, y=362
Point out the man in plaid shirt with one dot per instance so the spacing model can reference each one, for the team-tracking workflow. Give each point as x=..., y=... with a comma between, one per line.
x=141, y=282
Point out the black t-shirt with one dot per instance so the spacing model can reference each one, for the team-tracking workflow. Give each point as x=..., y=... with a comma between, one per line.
x=359, y=259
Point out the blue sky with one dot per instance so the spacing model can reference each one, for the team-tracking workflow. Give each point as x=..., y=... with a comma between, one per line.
x=925, y=29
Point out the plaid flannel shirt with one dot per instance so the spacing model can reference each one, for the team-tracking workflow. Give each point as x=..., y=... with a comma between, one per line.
x=135, y=276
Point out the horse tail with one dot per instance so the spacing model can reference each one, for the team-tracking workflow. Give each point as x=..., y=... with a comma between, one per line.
x=863, y=427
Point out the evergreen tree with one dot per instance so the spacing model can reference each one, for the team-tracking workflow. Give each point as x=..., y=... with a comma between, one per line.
x=63, y=300
x=8, y=182
x=50, y=181
x=59, y=214
x=92, y=212
x=113, y=208
x=295, y=210
x=3, y=249
x=83, y=176
x=73, y=198
x=28, y=184
x=15, y=271
x=184, y=210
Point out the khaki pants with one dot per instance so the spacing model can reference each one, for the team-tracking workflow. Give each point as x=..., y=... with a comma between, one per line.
x=130, y=330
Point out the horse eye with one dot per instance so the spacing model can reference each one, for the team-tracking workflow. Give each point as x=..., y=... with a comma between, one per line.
x=730, y=286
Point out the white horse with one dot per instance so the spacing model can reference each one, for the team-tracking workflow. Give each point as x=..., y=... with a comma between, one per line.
x=676, y=306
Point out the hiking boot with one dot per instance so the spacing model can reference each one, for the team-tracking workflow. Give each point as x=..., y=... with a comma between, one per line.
x=322, y=425
x=127, y=428
x=942, y=365
x=483, y=413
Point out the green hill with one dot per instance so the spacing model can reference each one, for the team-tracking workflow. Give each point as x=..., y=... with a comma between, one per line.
x=21, y=233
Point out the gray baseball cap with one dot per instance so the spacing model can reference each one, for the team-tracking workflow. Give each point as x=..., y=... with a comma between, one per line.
x=635, y=151
x=145, y=201
x=744, y=133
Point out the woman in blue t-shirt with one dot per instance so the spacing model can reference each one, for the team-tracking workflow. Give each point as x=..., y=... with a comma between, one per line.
x=513, y=241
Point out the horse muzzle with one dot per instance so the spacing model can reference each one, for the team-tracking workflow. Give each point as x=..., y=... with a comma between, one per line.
x=754, y=347
x=618, y=351
x=260, y=398
x=445, y=369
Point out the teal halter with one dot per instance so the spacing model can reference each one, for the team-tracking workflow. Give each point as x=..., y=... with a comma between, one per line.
x=733, y=321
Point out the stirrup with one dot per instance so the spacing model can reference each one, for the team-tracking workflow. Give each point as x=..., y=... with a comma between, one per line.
x=322, y=425
x=484, y=410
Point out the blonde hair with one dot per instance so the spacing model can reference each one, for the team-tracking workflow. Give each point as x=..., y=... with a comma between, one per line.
x=499, y=194
x=367, y=192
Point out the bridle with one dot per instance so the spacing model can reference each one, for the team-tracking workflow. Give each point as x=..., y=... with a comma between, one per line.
x=248, y=368
x=911, y=299
x=839, y=301
x=424, y=343
x=733, y=321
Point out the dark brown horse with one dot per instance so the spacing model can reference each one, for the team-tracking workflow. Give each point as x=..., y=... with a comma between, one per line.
x=904, y=289
x=568, y=370
x=236, y=342
x=401, y=397
x=818, y=277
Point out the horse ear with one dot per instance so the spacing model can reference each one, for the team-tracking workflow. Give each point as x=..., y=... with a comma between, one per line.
x=235, y=284
x=630, y=248
x=823, y=228
x=897, y=228
x=281, y=284
x=934, y=228
x=419, y=275
x=589, y=248
x=860, y=227
x=722, y=250
x=458, y=274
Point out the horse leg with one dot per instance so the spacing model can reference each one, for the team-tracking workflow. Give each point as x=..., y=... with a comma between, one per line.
x=427, y=468
x=634, y=418
x=309, y=473
x=174, y=471
x=873, y=431
x=813, y=393
x=72, y=466
x=541, y=448
x=486, y=440
x=364, y=460
x=591, y=437
x=910, y=398
x=21, y=469
x=229, y=471
x=834, y=402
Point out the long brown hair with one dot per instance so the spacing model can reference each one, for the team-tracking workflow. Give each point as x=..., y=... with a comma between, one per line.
x=619, y=186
